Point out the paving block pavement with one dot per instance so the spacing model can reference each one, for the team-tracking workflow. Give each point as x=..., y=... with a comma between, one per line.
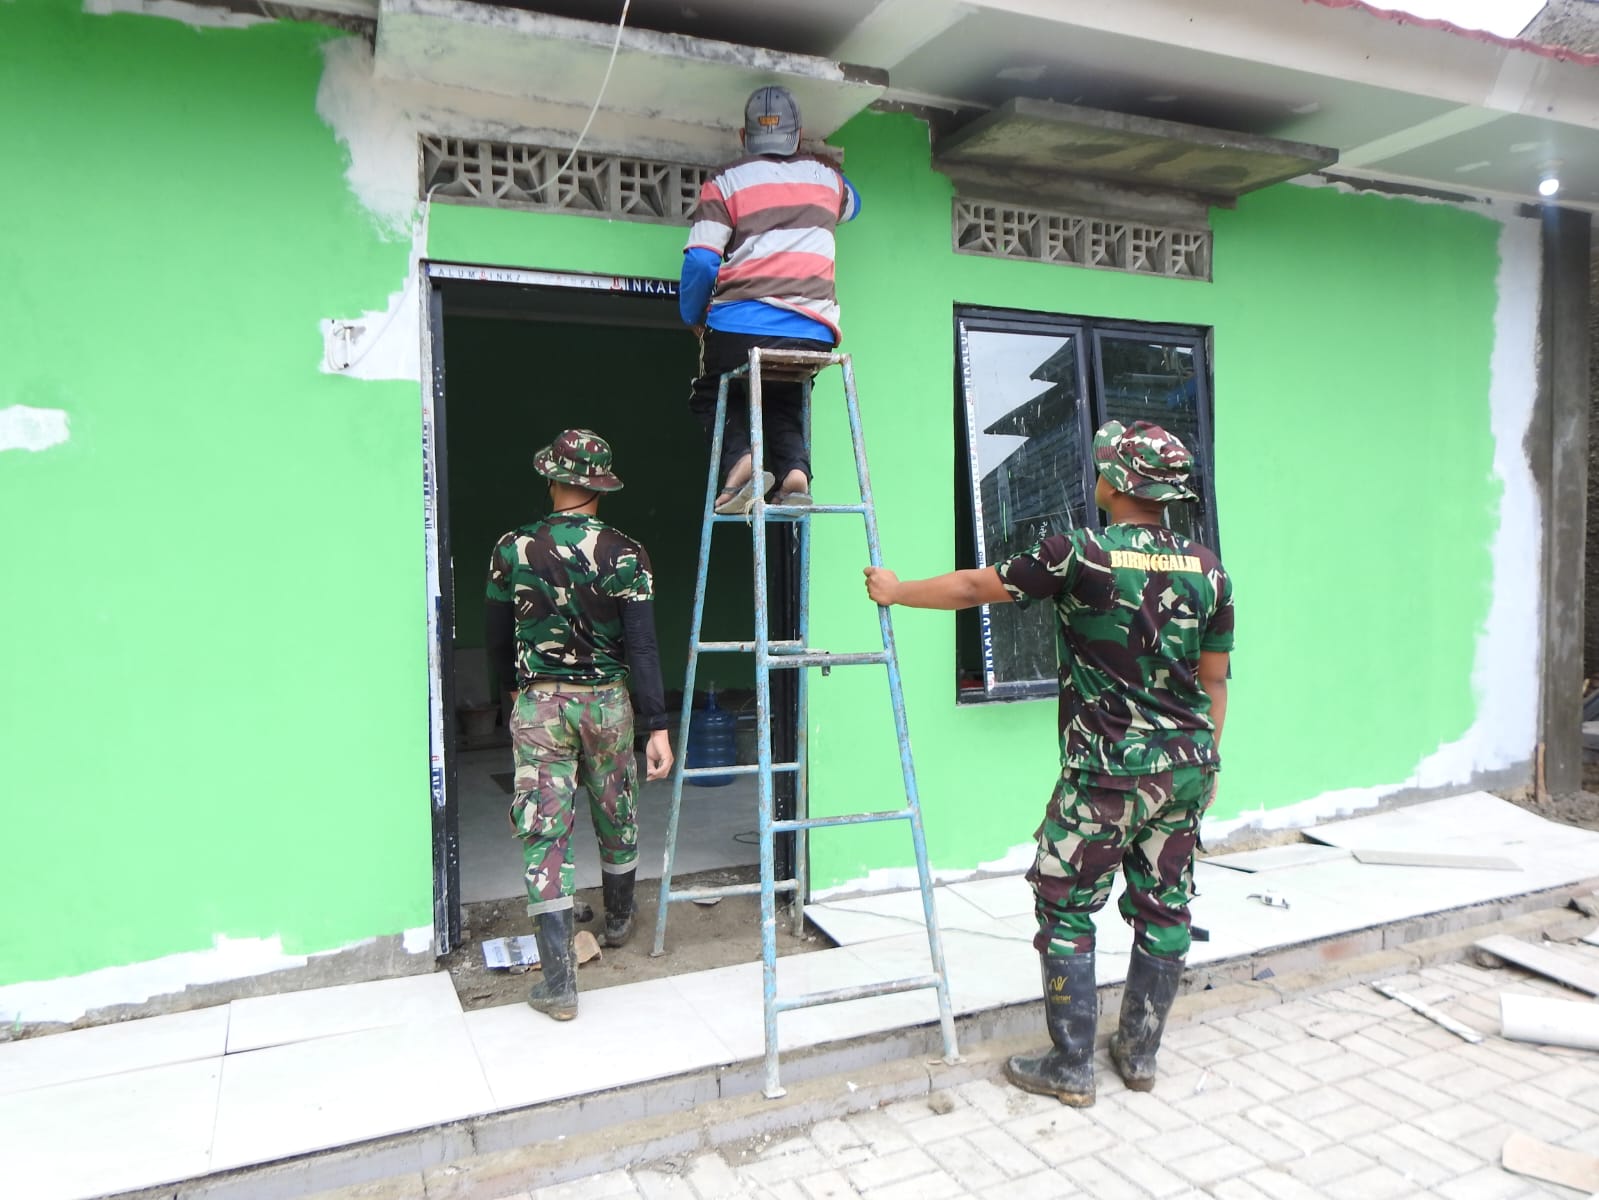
x=1339, y=1094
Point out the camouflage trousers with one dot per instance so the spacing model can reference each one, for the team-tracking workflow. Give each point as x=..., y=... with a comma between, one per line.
x=563, y=740
x=1144, y=825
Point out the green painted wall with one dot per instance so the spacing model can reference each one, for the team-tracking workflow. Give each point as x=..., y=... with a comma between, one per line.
x=1362, y=580
x=212, y=710
x=213, y=713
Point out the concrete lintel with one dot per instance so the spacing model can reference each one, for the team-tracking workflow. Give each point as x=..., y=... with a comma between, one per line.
x=666, y=89
x=1563, y=425
x=1112, y=147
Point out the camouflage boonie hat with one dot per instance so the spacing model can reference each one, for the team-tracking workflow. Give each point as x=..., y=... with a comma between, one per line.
x=1143, y=460
x=581, y=458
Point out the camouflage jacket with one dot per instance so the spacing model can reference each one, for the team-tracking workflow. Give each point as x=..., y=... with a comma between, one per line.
x=568, y=577
x=1135, y=606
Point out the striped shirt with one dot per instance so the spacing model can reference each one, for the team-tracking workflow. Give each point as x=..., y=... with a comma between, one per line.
x=771, y=220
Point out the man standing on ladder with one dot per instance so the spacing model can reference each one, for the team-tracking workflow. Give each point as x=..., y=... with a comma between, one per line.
x=570, y=616
x=1145, y=627
x=758, y=271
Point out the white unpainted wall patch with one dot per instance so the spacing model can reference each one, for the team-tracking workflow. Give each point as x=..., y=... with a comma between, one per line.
x=25, y=428
x=195, y=15
x=379, y=122
x=71, y=997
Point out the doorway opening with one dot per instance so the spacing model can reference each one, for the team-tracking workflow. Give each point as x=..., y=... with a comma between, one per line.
x=518, y=356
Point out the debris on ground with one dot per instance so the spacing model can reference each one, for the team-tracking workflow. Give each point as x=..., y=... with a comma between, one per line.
x=1548, y=1021
x=1501, y=948
x=1528, y=1156
x=1419, y=858
x=698, y=938
x=1443, y=1019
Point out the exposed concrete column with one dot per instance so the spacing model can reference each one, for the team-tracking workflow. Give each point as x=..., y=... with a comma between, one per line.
x=1560, y=438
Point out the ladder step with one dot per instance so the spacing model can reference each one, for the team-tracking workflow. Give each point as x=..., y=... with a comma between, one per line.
x=736, y=769
x=748, y=647
x=793, y=653
x=731, y=889
x=789, y=511
x=898, y=814
x=858, y=992
x=796, y=358
x=821, y=658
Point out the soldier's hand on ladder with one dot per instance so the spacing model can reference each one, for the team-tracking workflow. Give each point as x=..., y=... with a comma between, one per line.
x=881, y=584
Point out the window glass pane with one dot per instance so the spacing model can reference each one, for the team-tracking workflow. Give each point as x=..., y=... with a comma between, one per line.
x=1029, y=472
x=1152, y=379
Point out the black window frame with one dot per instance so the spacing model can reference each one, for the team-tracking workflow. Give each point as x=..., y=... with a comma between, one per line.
x=975, y=626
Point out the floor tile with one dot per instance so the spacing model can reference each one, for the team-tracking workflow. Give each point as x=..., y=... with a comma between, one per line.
x=622, y=1035
x=984, y=971
x=1461, y=824
x=1275, y=858
x=112, y=1049
x=889, y=914
x=1377, y=894
x=1241, y=925
x=112, y=1134
x=734, y=995
x=307, y=1096
x=349, y=1008
x=1003, y=896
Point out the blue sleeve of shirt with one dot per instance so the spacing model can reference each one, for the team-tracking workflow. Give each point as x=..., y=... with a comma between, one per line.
x=700, y=267
x=852, y=202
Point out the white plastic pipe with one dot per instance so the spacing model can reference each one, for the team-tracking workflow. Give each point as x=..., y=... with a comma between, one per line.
x=1549, y=1022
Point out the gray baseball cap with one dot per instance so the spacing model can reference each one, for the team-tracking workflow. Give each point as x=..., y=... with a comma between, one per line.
x=771, y=122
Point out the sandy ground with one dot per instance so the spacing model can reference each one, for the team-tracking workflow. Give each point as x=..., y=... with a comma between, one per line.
x=698, y=938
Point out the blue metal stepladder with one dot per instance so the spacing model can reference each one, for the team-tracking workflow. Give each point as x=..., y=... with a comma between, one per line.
x=795, y=654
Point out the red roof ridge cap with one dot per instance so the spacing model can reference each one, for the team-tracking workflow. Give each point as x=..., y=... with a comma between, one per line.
x=1477, y=35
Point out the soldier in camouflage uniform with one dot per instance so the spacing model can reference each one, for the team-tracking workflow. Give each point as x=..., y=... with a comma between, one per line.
x=1144, y=629
x=571, y=618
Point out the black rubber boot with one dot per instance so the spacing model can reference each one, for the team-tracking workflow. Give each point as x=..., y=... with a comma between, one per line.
x=1146, y=1002
x=555, y=992
x=620, y=907
x=1071, y=1010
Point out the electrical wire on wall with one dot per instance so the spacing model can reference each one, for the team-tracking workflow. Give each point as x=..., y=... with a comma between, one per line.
x=345, y=329
x=616, y=44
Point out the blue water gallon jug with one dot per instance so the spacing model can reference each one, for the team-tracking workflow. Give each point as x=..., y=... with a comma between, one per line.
x=711, y=742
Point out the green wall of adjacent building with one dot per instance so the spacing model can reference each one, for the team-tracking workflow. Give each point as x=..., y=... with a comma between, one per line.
x=213, y=713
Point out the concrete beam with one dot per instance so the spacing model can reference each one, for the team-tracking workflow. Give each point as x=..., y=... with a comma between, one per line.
x=668, y=96
x=1424, y=133
x=1563, y=424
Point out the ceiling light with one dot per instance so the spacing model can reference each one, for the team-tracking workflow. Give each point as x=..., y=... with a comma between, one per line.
x=1548, y=179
